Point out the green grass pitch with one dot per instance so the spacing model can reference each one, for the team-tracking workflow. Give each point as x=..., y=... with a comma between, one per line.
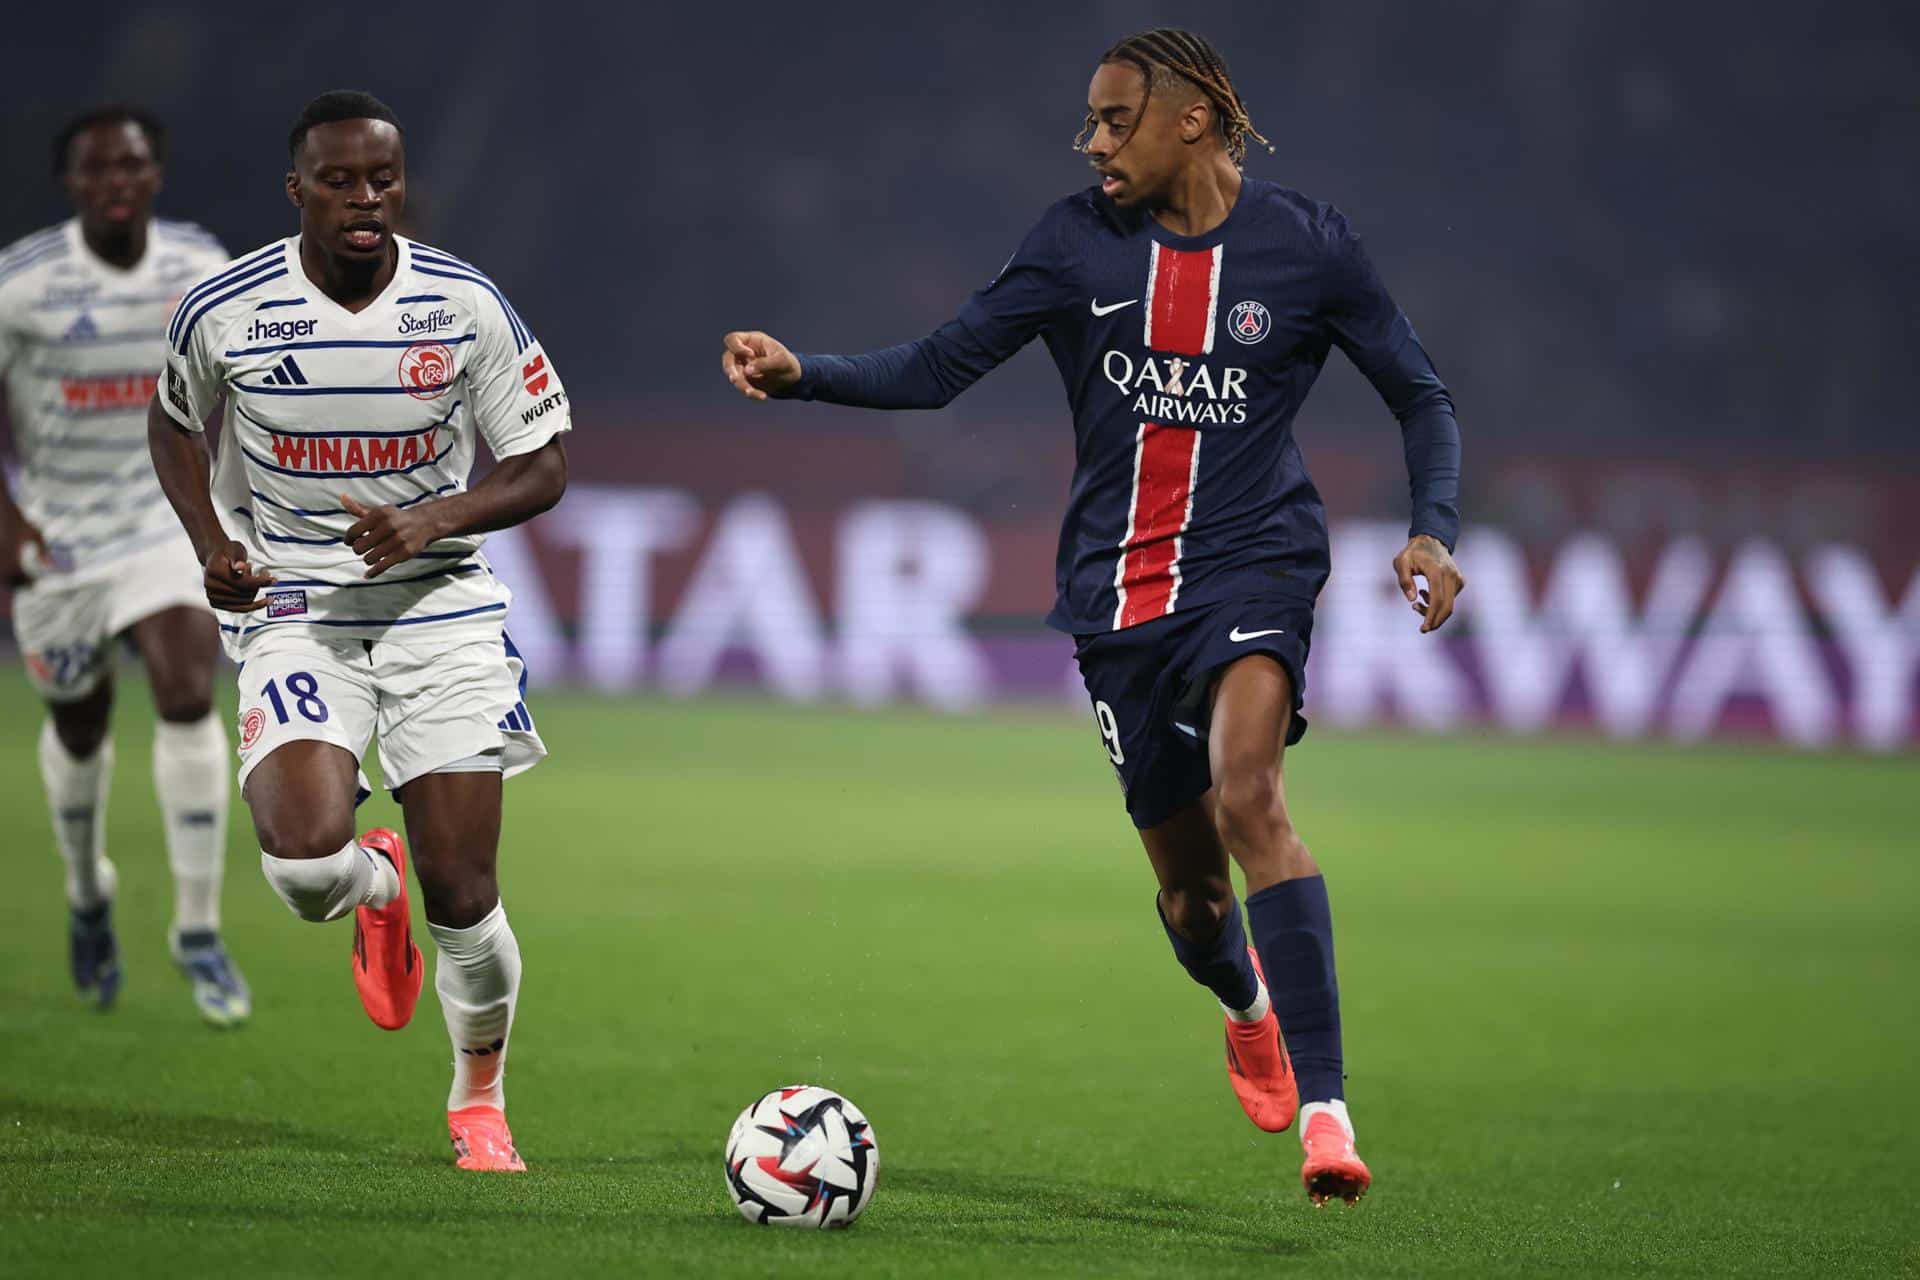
x=1609, y=1010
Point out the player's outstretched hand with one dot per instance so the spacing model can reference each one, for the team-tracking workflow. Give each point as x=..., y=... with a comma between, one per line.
x=387, y=536
x=758, y=365
x=231, y=583
x=23, y=552
x=1426, y=557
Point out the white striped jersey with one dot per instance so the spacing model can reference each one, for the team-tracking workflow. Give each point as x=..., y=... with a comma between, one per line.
x=80, y=340
x=382, y=404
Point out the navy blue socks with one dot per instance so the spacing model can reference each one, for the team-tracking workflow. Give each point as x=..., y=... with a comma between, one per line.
x=1293, y=930
x=1221, y=965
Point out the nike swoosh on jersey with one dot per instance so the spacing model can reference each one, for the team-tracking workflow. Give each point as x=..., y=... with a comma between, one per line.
x=1241, y=637
x=1111, y=307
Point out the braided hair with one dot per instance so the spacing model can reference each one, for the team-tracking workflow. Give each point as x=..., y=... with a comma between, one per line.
x=1166, y=55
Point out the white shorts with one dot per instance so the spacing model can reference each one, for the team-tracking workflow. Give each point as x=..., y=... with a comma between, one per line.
x=428, y=705
x=66, y=628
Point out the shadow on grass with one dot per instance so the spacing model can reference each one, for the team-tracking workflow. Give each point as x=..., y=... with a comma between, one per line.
x=1024, y=1201
x=928, y=1203
x=170, y=1130
x=917, y=1203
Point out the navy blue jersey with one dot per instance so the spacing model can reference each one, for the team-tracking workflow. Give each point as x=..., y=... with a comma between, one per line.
x=1185, y=359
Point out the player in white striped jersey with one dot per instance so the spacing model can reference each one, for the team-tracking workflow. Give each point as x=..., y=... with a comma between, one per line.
x=341, y=545
x=95, y=553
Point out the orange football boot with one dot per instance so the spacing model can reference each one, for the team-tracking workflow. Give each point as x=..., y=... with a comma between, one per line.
x=387, y=968
x=482, y=1141
x=1259, y=1070
x=1333, y=1168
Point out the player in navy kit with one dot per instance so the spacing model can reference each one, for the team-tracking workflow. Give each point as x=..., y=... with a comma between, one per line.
x=1189, y=310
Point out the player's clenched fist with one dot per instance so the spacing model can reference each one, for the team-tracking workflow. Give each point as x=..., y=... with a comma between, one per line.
x=231, y=583
x=758, y=365
x=1428, y=558
x=387, y=536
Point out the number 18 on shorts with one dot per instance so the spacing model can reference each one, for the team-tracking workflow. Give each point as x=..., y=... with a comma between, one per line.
x=427, y=706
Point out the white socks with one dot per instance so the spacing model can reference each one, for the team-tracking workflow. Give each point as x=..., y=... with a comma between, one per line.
x=1337, y=1108
x=1255, y=1011
x=327, y=888
x=77, y=803
x=190, y=776
x=477, y=976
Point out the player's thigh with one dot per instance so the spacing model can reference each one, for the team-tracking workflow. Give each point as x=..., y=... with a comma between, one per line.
x=453, y=831
x=1253, y=714
x=302, y=797
x=180, y=647
x=453, y=703
x=1161, y=766
x=62, y=633
x=307, y=712
x=1253, y=709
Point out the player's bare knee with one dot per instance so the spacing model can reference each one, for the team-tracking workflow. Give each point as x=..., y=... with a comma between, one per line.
x=1197, y=911
x=300, y=837
x=182, y=696
x=459, y=906
x=82, y=726
x=182, y=706
x=1251, y=810
x=81, y=737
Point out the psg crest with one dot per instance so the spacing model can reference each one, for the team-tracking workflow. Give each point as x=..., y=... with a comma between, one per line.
x=1248, y=322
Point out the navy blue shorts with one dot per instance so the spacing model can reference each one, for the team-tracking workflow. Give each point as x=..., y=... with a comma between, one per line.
x=1152, y=688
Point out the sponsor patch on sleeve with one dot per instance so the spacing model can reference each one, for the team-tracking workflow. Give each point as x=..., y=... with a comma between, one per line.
x=177, y=392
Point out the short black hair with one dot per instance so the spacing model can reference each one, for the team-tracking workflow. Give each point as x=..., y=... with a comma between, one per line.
x=339, y=104
x=113, y=113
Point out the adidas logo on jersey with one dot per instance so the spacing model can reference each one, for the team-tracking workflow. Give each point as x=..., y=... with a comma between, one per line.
x=270, y=329
x=82, y=329
x=287, y=374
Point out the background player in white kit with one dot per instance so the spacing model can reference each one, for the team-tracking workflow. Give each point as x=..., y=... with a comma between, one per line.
x=93, y=551
x=357, y=368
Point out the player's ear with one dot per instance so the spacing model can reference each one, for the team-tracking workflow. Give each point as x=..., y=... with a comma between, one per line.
x=1196, y=120
x=293, y=189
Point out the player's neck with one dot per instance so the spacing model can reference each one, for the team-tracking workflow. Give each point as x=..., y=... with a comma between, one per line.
x=121, y=247
x=351, y=284
x=1200, y=198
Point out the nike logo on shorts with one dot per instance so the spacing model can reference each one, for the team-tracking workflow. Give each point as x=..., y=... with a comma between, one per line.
x=1241, y=637
x=1111, y=307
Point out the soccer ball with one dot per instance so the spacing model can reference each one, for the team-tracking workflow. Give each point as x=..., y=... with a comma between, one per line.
x=802, y=1156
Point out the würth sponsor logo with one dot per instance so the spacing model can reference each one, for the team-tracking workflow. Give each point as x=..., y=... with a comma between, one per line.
x=553, y=401
x=107, y=394
x=354, y=453
x=535, y=374
x=432, y=322
x=426, y=370
x=276, y=330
